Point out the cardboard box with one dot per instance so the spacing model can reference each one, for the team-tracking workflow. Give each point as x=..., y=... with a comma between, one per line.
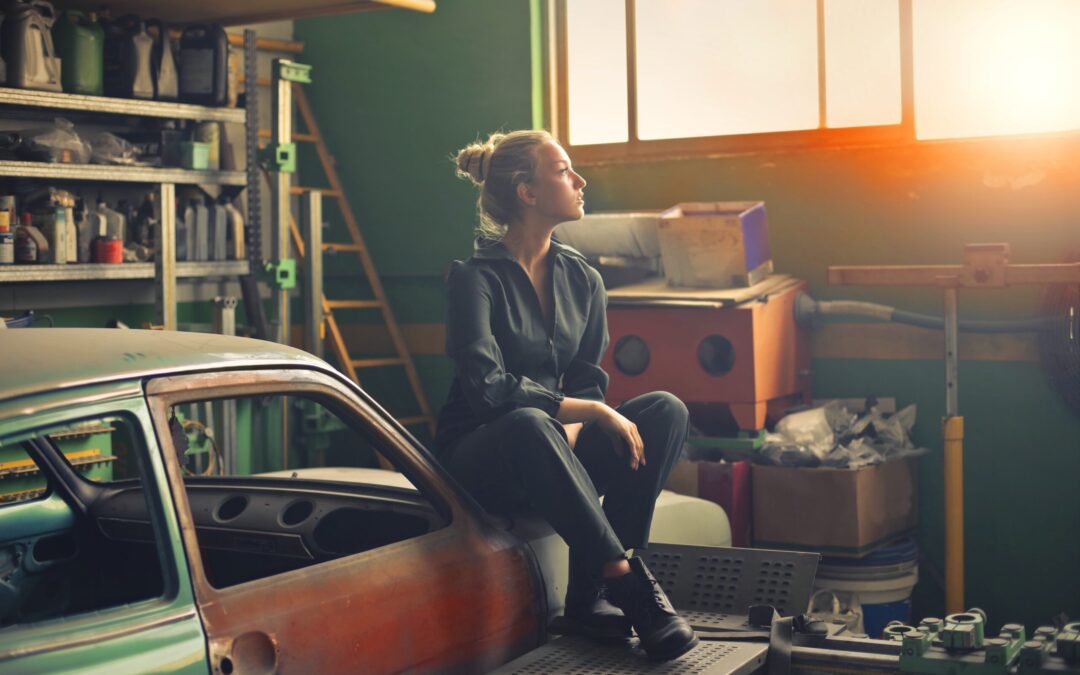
x=845, y=512
x=715, y=244
x=723, y=483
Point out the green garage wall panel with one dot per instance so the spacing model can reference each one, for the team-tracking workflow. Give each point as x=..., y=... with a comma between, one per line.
x=414, y=88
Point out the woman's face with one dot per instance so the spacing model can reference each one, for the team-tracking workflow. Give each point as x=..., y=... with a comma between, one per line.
x=556, y=191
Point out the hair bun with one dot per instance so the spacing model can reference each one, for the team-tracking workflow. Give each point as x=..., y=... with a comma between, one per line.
x=474, y=160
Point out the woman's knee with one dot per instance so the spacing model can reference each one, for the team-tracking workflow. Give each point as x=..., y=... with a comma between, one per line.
x=531, y=423
x=667, y=406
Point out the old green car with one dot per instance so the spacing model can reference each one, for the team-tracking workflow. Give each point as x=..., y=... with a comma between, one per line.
x=162, y=509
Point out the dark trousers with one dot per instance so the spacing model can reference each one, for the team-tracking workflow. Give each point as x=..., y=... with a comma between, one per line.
x=523, y=462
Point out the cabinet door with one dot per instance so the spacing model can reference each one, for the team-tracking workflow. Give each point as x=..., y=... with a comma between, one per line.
x=308, y=557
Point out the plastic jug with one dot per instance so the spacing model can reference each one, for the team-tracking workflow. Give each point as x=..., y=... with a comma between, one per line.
x=128, y=49
x=219, y=229
x=28, y=46
x=84, y=231
x=184, y=232
x=80, y=42
x=163, y=61
x=145, y=221
x=56, y=231
x=237, y=243
x=115, y=223
x=201, y=231
x=204, y=54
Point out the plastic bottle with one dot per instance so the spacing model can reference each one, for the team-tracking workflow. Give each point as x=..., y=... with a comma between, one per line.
x=204, y=53
x=56, y=230
x=145, y=221
x=163, y=61
x=127, y=59
x=80, y=43
x=185, y=233
x=115, y=222
x=219, y=230
x=237, y=243
x=28, y=46
x=84, y=231
x=201, y=230
x=71, y=237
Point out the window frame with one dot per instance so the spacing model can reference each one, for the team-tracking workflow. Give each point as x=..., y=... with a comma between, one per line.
x=634, y=149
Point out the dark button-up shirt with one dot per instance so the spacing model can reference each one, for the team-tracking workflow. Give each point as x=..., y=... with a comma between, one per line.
x=505, y=355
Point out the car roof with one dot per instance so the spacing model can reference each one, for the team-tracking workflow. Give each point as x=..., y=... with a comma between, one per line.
x=35, y=360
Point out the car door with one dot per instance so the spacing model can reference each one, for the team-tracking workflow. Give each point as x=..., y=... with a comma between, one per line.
x=80, y=588
x=297, y=569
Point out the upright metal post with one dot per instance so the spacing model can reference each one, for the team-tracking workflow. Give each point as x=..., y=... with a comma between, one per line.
x=953, y=431
x=282, y=137
x=311, y=226
x=165, y=260
x=225, y=324
x=282, y=161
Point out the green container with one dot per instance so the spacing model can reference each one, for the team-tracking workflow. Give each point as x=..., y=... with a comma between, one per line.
x=80, y=42
x=195, y=155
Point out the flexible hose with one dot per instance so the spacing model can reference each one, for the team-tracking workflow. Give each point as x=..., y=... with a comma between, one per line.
x=807, y=309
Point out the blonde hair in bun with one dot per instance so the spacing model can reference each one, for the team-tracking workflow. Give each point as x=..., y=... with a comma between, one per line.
x=497, y=166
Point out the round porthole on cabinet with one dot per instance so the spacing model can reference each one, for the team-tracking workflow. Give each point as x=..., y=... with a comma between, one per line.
x=631, y=355
x=716, y=355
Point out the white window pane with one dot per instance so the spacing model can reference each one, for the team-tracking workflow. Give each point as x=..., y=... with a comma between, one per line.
x=991, y=67
x=717, y=67
x=596, y=71
x=862, y=62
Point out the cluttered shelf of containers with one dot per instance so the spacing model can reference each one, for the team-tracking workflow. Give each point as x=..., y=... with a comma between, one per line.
x=696, y=308
x=95, y=113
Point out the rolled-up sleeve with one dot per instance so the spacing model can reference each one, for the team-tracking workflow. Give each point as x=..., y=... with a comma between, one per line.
x=584, y=378
x=478, y=361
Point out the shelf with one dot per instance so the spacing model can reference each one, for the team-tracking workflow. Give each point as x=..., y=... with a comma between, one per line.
x=118, y=106
x=102, y=272
x=125, y=174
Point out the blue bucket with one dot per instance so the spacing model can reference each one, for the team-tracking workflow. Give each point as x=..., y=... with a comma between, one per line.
x=880, y=583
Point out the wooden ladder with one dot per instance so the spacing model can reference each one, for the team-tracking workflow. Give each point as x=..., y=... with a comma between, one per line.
x=356, y=246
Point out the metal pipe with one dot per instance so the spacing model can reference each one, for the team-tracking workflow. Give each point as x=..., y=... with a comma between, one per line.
x=839, y=661
x=953, y=433
x=311, y=226
x=165, y=259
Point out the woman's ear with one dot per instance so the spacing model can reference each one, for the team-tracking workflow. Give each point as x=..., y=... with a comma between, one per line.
x=526, y=194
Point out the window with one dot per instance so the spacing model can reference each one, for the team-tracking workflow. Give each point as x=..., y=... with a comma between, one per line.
x=21, y=479
x=653, y=78
x=54, y=563
x=277, y=483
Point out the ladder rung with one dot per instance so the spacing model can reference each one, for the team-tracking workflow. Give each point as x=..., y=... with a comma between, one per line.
x=356, y=248
x=410, y=421
x=376, y=363
x=326, y=192
x=354, y=304
x=297, y=136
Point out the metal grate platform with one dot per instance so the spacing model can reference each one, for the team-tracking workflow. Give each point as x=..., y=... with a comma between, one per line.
x=713, y=587
x=572, y=655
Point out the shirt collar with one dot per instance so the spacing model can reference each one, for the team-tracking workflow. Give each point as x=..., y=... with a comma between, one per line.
x=485, y=248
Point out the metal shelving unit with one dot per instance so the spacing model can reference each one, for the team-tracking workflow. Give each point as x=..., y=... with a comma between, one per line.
x=165, y=270
x=119, y=174
x=103, y=272
x=119, y=106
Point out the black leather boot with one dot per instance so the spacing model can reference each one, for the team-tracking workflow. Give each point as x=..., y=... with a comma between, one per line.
x=588, y=611
x=664, y=634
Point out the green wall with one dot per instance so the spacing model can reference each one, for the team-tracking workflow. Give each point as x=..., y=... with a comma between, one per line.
x=396, y=93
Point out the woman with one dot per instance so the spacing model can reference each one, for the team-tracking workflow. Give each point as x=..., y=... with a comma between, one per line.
x=525, y=424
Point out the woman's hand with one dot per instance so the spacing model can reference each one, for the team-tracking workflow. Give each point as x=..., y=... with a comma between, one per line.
x=572, y=431
x=624, y=435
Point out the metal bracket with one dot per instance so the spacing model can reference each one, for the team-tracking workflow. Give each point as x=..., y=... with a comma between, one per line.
x=280, y=273
x=279, y=157
x=294, y=72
